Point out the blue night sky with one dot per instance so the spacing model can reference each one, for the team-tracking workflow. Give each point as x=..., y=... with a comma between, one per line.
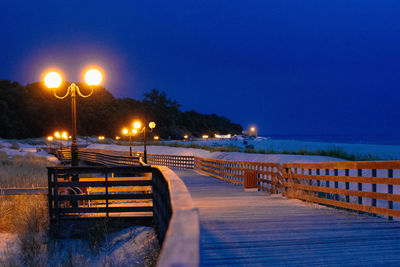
x=288, y=67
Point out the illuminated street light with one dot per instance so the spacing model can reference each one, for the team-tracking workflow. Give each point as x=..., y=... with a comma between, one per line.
x=53, y=80
x=93, y=77
x=137, y=125
x=131, y=134
x=50, y=139
x=156, y=137
x=185, y=137
x=205, y=136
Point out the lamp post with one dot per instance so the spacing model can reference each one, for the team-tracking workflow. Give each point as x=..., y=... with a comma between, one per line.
x=50, y=139
x=53, y=81
x=129, y=133
x=57, y=135
x=137, y=125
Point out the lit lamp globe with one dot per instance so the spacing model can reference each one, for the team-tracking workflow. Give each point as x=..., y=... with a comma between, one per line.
x=65, y=135
x=52, y=80
x=134, y=131
x=125, y=131
x=93, y=77
x=137, y=125
x=57, y=135
x=152, y=125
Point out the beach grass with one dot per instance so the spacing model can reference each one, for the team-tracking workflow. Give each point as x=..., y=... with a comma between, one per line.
x=23, y=171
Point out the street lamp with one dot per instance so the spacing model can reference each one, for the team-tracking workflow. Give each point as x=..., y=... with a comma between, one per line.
x=129, y=133
x=137, y=125
x=57, y=135
x=53, y=81
x=50, y=139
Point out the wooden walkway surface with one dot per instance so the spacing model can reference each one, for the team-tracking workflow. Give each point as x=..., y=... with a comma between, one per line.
x=255, y=229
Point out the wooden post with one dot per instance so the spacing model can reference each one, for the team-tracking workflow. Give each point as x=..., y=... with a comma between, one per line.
x=106, y=184
x=335, y=173
x=318, y=182
x=327, y=183
x=347, y=184
x=359, y=174
x=374, y=191
x=390, y=191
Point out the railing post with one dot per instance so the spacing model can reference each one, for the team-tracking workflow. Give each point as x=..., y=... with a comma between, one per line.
x=374, y=191
x=390, y=191
x=327, y=195
x=359, y=187
x=335, y=173
x=106, y=185
x=347, y=184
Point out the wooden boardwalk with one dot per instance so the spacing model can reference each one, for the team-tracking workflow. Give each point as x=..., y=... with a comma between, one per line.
x=252, y=228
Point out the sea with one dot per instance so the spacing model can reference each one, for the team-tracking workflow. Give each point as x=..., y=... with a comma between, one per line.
x=341, y=138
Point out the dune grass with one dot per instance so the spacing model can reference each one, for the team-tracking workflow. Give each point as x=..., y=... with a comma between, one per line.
x=23, y=171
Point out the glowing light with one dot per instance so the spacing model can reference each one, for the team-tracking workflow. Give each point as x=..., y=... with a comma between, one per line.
x=125, y=131
x=152, y=125
x=117, y=138
x=64, y=135
x=252, y=129
x=137, y=125
x=156, y=138
x=205, y=136
x=186, y=136
x=101, y=137
x=134, y=131
x=50, y=138
x=57, y=135
x=52, y=80
x=93, y=77
x=221, y=136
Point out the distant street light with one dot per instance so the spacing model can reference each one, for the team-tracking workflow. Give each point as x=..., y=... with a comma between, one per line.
x=132, y=132
x=137, y=125
x=58, y=136
x=156, y=138
x=50, y=139
x=53, y=80
x=185, y=137
x=205, y=136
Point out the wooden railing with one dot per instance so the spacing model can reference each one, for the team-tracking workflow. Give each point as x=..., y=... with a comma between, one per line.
x=361, y=186
x=87, y=192
x=171, y=161
x=370, y=186
x=268, y=175
x=140, y=195
x=108, y=157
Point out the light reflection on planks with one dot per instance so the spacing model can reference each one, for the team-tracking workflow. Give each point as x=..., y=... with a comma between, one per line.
x=252, y=228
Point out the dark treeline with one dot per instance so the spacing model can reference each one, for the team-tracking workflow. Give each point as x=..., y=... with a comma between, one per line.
x=33, y=111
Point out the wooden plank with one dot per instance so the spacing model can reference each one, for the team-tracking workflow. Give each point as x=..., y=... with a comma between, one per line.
x=103, y=184
x=104, y=209
x=359, y=194
x=104, y=197
x=351, y=179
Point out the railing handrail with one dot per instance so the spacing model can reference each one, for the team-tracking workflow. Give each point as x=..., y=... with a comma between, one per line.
x=181, y=246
